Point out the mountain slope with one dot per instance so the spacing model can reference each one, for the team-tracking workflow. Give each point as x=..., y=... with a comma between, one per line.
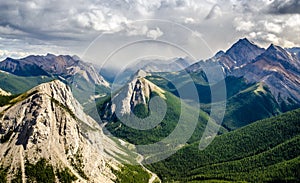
x=242, y=97
x=20, y=84
x=30, y=71
x=279, y=70
x=275, y=70
x=47, y=127
x=256, y=101
x=265, y=151
x=156, y=119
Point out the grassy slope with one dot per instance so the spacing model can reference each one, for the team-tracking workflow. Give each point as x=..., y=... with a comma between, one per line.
x=17, y=84
x=256, y=101
x=164, y=128
x=82, y=90
x=242, y=97
x=266, y=150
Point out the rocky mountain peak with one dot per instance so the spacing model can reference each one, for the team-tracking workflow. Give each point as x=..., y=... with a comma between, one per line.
x=138, y=91
x=140, y=74
x=279, y=70
x=50, y=55
x=75, y=57
x=62, y=93
x=278, y=53
x=244, y=41
x=219, y=53
x=244, y=51
x=48, y=123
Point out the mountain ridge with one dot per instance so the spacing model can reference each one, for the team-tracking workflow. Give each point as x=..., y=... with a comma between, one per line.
x=51, y=65
x=244, y=51
x=277, y=68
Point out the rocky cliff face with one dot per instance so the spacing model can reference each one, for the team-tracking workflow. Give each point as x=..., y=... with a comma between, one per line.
x=47, y=122
x=138, y=91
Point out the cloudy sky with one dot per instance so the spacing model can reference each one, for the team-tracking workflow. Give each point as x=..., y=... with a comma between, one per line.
x=95, y=29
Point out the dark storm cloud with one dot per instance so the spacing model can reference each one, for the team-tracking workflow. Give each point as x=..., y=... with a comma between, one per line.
x=284, y=7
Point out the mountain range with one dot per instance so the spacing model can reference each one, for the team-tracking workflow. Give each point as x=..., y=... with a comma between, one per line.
x=275, y=67
x=147, y=65
x=261, y=82
x=158, y=115
x=50, y=65
x=19, y=75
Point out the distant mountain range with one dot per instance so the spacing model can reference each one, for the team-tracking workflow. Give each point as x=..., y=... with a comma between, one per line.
x=64, y=66
x=148, y=65
x=268, y=76
x=19, y=75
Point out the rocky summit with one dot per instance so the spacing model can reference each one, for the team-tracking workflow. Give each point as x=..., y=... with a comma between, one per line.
x=137, y=91
x=48, y=124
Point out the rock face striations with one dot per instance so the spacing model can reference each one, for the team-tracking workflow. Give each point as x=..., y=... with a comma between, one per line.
x=243, y=52
x=279, y=70
x=138, y=91
x=47, y=123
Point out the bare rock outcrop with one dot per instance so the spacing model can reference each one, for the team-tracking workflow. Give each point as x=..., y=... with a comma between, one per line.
x=48, y=122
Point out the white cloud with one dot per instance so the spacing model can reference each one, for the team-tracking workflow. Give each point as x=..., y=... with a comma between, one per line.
x=10, y=31
x=273, y=27
x=293, y=22
x=100, y=19
x=243, y=25
x=154, y=33
x=146, y=8
x=13, y=54
x=136, y=30
x=189, y=20
x=272, y=38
